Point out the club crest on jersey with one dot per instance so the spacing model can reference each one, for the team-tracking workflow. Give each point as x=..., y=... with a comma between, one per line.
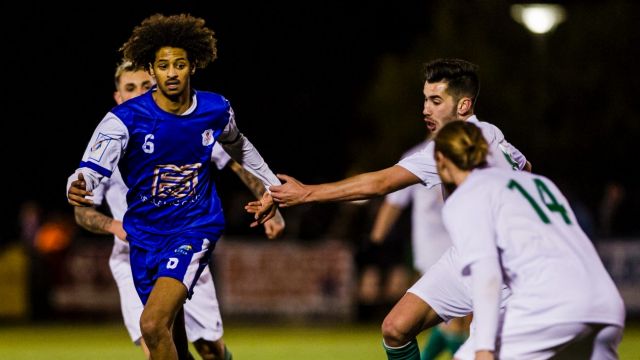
x=99, y=147
x=207, y=137
x=183, y=250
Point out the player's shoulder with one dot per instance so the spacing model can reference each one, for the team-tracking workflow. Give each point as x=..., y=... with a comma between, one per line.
x=415, y=148
x=497, y=179
x=211, y=99
x=134, y=106
x=482, y=182
x=490, y=131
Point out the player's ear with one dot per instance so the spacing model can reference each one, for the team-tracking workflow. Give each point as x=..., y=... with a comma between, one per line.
x=194, y=65
x=117, y=97
x=150, y=69
x=464, y=105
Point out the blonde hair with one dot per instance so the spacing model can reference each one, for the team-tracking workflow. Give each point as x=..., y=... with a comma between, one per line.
x=463, y=143
x=123, y=67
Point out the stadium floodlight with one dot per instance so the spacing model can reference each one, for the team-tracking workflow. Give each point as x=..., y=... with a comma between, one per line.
x=538, y=18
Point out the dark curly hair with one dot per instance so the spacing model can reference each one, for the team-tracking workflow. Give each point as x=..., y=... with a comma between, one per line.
x=181, y=31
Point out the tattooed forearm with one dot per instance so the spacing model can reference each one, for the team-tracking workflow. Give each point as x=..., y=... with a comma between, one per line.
x=92, y=220
x=252, y=182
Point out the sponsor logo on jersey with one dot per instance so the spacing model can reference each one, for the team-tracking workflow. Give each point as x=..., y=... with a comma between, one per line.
x=183, y=250
x=173, y=181
x=207, y=137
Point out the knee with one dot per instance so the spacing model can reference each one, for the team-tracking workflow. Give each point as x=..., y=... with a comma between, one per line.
x=393, y=332
x=152, y=330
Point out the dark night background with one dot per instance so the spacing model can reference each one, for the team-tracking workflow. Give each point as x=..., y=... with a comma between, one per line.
x=329, y=89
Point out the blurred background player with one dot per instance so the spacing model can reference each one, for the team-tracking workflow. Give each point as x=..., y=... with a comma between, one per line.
x=516, y=229
x=202, y=314
x=429, y=240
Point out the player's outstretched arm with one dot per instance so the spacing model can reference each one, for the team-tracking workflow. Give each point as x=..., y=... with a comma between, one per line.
x=362, y=186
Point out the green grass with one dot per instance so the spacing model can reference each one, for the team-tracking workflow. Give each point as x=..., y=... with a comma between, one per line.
x=247, y=342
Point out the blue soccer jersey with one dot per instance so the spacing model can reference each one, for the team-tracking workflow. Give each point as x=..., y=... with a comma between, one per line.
x=165, y=162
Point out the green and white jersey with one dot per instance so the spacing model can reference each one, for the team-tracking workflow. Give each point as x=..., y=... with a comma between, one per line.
x=501, y=154
x=550, y=265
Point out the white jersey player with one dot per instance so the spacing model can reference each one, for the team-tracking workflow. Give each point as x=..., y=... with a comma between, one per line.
x=450, y=91
x=517, y=229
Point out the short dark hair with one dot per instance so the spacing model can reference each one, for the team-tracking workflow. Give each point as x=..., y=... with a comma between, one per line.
x=181, y=31
x=460, y=75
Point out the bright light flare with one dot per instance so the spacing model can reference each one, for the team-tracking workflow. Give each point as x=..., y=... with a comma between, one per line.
x=538, y=18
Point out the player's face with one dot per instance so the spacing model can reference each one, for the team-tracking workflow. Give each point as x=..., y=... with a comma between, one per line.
x=172, y=71
x=440, y=108
x=132, y=84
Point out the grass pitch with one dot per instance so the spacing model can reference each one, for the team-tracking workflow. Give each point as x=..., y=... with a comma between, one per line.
x=249, y=342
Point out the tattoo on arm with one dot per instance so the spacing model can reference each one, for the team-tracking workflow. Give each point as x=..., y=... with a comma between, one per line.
x=252, y=182
x=91, y=219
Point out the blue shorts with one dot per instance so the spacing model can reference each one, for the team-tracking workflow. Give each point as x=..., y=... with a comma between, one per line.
x=183, y=258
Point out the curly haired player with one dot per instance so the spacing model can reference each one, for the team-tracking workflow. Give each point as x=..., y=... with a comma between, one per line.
x=162, y=142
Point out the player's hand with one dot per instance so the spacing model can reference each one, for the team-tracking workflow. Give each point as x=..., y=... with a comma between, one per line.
x=274, y=227
x=484, y=355
x=291, y=192
x=117, y=229
x=263, y=209
x=77, y=195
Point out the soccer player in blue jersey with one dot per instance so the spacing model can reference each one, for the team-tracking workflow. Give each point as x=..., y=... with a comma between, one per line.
x=203, y=321
x=161, y=142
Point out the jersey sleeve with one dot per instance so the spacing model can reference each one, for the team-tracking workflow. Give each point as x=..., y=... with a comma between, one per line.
x=468, y=218
x=486, y=291
x=103, y=151
x=512, y=155
x=219, y=156
x=242, y=151
x=99, y=192
x=505, y=154
x=422, y=164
